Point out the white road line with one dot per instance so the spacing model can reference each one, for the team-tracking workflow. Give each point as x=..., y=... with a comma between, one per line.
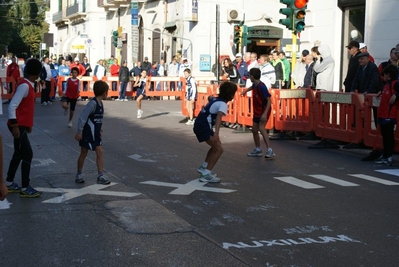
x=294, y=181
x=374, y=179
x=332, y=180
x=390, y=171
x=139, y=158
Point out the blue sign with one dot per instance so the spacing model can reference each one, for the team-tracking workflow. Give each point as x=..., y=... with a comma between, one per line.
x=135, y=14
x=205, y=62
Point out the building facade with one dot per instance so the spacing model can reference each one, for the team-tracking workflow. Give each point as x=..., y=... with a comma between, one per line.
x=163, y=28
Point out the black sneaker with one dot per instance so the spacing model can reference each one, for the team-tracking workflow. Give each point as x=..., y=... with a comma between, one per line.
x=29, y=192
x=14, y=188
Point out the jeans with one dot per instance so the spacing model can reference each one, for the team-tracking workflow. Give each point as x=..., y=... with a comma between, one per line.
x=122, y=92
x=22, y=152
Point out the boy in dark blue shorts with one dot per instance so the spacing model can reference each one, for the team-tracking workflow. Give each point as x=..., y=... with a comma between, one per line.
x=89, y=132
x=211, y=115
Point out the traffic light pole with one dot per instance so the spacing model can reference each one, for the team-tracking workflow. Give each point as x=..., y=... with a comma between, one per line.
x=293, y=57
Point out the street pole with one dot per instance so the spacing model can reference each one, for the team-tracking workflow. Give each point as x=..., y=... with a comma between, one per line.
x=293, y=57
x=217, y=45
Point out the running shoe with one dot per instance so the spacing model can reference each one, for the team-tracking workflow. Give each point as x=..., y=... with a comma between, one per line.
x=255, y=153
x=190, y=122
x=70, y=124
x=201, y=170
x=101, y=179
x=29, y=192
x=269, y=154
x=381, y=160
x=389, y=161
x=139, y=113
x=14, y=188
x=79, y=179
x=209, y=178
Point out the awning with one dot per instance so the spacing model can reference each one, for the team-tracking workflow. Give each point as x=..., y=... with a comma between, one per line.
x=170, y=24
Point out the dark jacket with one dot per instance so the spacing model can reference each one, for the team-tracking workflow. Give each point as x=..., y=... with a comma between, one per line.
x=367, y=82
x=307, y=80
x=136, y=71
x=352, y=70
x=146, y=66
x=124, y=74
x=279, y=71
x=243, y=71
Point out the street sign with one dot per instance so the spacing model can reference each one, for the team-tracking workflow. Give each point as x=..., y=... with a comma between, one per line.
x=78, y=47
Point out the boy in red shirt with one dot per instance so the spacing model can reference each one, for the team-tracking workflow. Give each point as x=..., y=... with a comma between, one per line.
x=20, y=123
x=387, y=112
x=71, y=94
x=261, y=109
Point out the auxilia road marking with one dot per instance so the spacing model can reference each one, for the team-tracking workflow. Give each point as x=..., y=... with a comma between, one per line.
x=139, y=158
x=188, y=188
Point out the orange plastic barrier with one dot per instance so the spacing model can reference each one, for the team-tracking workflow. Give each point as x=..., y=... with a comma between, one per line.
x=5, y=83
x=338, y=116
x=293, y=109
x=164, y=86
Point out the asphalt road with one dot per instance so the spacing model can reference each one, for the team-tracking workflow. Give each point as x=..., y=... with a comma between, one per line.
x=306, y=207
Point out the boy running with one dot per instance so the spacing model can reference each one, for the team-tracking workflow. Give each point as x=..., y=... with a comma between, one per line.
x=191, y=95
x=140, y=84
x=261, y=109
x=211, y=115
x=20, y=123
x=89, y=132
x=71, y=94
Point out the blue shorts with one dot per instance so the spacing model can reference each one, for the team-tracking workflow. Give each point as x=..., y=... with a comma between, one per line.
x=140, y=92
x=91, y=146
x=203, y=133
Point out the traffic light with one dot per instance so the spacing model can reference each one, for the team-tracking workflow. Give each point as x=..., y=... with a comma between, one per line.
x=115, y=38
x=299, y=13
x=237, y=34
x=245, y=35
x=288, y=12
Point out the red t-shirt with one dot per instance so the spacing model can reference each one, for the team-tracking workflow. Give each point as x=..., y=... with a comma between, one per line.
x=260, y=96
x=72, y=88
x=386, y=110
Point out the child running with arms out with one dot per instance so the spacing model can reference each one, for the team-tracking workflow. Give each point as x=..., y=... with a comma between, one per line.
x=211, y=115
x=387, y=113
x=71, y=95
x=261, y=110
x=89, y=132
x=140, y=84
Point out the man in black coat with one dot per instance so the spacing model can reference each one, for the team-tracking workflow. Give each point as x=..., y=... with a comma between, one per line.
x=353, y=48
x=367, y=79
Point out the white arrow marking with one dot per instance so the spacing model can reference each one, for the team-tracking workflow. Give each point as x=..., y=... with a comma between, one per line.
x=188, y=188
x=138, y=158
x=42, y=162
x=5, y=204
x=68, y=194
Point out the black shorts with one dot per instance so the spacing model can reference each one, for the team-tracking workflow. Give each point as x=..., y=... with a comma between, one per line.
x=203, y=133
x=140, y=92
x=72, y=101
x=91, y=146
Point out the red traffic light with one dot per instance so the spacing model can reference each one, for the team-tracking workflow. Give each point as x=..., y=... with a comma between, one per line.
x=300, y=3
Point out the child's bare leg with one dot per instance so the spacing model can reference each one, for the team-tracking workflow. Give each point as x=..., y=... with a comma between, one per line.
x=71, y=112
x=214, y=152
x=189, y=106
x=263, y=131
x=138, y=100
x=255, y=134
x=82, y=157
x=99, y=159
x=64, y=105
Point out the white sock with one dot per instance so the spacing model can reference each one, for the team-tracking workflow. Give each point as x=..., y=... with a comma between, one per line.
x=205, y=164
x=257, y=148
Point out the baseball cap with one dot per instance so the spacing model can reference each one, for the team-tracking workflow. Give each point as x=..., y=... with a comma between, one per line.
x=352, y=44
x=238, y=55
x=76, y=59
x=362, y=45
x=145, y=58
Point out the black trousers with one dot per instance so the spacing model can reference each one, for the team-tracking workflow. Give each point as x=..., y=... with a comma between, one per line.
x=45, y=95
x=388, y=138
x=22, y=152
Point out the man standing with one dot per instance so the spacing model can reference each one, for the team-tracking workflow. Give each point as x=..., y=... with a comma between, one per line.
x=393, y=60
x=64, y=71
x=307, y=79
x=298, y=75
x=99, y=70
x=279, y=68
x=363, y=49
x=268, y=74
x=253, y=63
x=173, y=72
x=45, y=77
x=242, y=69
x=367, y=79
x=287, y=69
x=13, y=71
x=81, y=68
x=114, y=70
x=146, y=65
x=353, y=48
x=88, y=69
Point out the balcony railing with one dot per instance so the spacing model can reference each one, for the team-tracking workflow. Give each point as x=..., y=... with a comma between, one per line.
x=113, y=3
x=76, y=10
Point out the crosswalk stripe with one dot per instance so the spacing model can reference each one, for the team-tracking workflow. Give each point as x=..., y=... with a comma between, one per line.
x=390, y=171
x=333, y=180
x=297, y=182
x=374, y=179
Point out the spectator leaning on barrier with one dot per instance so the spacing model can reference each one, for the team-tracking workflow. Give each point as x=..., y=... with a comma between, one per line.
x=307, y=79
x=13, y=71
x=65, y=71
x=173, y=72
x=387, y=113
x=367, y=79
x=324, y=69
x=279, y=68
x=242, y=68
x=146, y=65
x=114, y=70
x=353, y=48
x=99, y=70
x=287, y=69
x=252, y=64
x=268, y=74
x=81, y=68
x=299, y=72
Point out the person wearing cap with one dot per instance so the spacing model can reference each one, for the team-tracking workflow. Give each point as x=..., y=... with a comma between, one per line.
x=242, y=68
x=123, y=80
x=81, y=68
x=353, y=48
x=367, y=79
x=363, y=49
x=146, y=65
x=299, y=72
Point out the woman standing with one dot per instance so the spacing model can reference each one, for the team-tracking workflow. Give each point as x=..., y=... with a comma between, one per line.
x=229, y=71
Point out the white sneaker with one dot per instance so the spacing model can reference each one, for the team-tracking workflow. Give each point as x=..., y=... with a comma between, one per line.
x=269, y=153
x=49, y=103
x=255, y=153
x=70, y=124
x=209, y=178
x=44, y=104
x=190, y=122
x=201, y=170
x=139, y=113
x=125, y=99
